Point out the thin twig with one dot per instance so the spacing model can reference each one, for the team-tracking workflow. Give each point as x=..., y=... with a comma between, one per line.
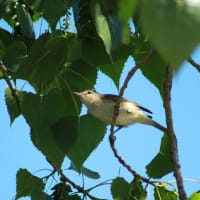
x=171, y=134
x=116, y=112
x=192, y=62
x=185, y=179
x=13, y=90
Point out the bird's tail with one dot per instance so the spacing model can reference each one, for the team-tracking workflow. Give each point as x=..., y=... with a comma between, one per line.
x=158, y=126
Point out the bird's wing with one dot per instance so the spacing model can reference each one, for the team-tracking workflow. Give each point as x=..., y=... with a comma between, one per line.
x=142, y=108
x=112, y=97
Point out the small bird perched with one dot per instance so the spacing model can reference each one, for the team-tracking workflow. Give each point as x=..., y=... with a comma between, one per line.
x=102, y=107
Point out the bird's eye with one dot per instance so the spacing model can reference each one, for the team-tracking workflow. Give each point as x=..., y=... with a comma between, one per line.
x=89, y=92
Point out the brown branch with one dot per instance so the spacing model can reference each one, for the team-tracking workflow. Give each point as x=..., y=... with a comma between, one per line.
x=13, y=90
x=171, y=134
x=65, y=179
x=116, y=112
x=192, y=62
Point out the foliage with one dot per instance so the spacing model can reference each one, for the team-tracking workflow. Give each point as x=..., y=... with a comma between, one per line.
x=58, y=62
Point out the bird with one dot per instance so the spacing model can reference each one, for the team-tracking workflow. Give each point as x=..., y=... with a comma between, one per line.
x=102, y=107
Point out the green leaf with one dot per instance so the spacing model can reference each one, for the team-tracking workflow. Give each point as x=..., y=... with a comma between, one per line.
x=85, y=171
x=27, y=183
x=126, y=9
x=42, y=68
x=161, y=164
x=38, y=195
x=51, y=59
x=42, y=108
x=102, y=26
x=42, y=137
x=136, y=190
x=120, y=189
x=26, y=69
x=91, y=133
x=110, y=29
x=25, y=21
x=41, y=115
x=83, y=19
x=1, y=75
x=61, y=191
x=72, y=102
x=58, y=9
x=65, y=132
x=6, y=37
x=172, y=27
x=2, y=49
x=74, y=197
x=73, y=47
x=4, y=5
x=11, y=105
x=154, y=69
x=14, y=55
x=114, y=70
x=79, y=76
x=162, y=193
x=97, y=57
x=194, y=196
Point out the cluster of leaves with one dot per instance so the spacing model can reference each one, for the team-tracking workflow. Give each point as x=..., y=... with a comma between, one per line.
x=60, y=62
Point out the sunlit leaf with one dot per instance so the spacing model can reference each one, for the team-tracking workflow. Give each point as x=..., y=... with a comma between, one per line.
x=194, y=196
x=102, y=26
x=127, y=8
x=162, y=193
x=172, y=27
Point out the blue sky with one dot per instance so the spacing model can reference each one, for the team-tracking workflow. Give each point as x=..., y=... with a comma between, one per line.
x=137, y=144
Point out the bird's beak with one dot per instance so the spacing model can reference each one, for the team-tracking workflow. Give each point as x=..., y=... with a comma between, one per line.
x=78, y=93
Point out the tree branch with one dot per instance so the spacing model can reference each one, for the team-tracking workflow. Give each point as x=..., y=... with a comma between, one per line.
x=13, y=90
x=116, y=112
x=65, y=179
x=192, y=62
x=171, y=134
